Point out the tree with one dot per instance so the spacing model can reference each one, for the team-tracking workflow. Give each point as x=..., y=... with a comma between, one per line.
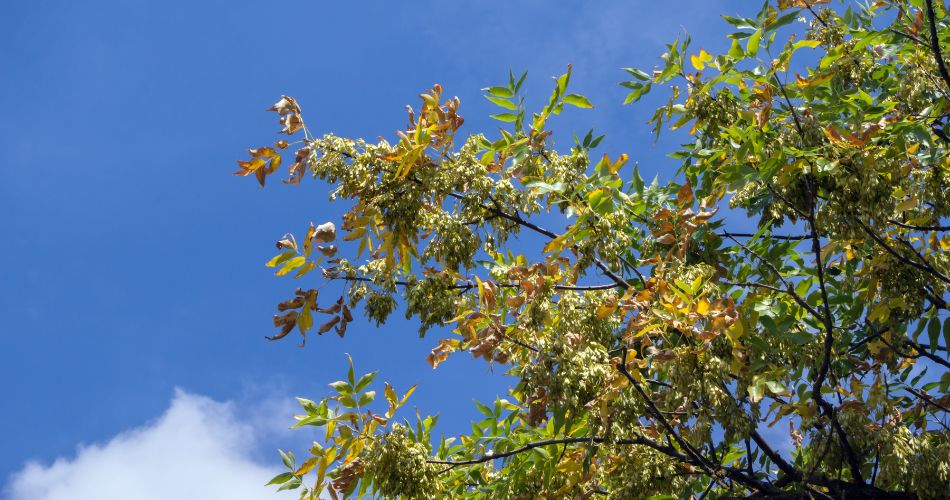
x=654, y=343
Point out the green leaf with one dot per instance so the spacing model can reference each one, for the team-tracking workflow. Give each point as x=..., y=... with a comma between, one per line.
x=520, y=81
x=782, y=21
x=288, y=461
x=281, y=478
x=933, y=333
x=367, y=398
x=776, y=388
x=756, y=391
x=600, y=201
x=502, y=102
x=741, y=23
x=342, y=387
x=364, y=381
x=638, y=74
x=577, y=100
x=505, y=117
x=291, y=485
x=752, y=44
x=503, y=92
x=638, y=90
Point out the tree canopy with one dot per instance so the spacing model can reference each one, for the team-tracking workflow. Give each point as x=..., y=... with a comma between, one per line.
x=794, y=275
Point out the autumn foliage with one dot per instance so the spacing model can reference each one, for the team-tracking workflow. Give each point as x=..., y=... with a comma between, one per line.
x=773, y=321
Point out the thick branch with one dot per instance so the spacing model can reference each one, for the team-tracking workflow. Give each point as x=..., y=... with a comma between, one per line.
x=771, y=236
x=935, y=43
x=570, y=440
x=829, y=411
x=470, y=286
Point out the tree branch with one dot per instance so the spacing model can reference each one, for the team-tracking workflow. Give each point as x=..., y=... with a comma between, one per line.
x=935, y=43
x=772, y=236
x=788, y=287
x=920, y=228
x=905, y=260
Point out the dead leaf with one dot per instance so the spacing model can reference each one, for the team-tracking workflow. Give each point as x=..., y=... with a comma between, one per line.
x=285, y=105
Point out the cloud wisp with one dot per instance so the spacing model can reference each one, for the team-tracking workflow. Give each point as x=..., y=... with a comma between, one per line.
x=197, y=449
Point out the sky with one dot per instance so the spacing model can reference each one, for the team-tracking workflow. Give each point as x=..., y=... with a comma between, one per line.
x=133, y=297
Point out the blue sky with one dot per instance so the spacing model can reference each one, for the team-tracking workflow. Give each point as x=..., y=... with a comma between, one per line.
x=133, y=298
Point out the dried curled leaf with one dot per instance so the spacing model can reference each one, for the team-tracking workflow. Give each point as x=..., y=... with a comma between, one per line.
x=285, y=105
x=325, y=233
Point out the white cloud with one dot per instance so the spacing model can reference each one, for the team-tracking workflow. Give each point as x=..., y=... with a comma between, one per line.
x=198, y=449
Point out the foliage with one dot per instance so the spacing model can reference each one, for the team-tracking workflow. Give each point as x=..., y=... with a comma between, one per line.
x=655, y=342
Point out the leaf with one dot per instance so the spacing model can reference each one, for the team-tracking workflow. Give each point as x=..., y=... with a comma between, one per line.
x=365, y=380
x=684, y=196
x=367, y=398
x=502, y=102
x=505, y=117
x=638, y=90
x=281, y=478
x=907, y=204
x=325, y=233
x=278, y=259
x=577, y=100
x=606, y=309
x=699, y=61
x=307, y=466
x=291, y=264
x=666, y=239
x=342, y=387
x=752, y=44
x=557, y=244
x=287, y=458
x=756, y=391
x=933, y=332
x=503, y=92
x=600, y=201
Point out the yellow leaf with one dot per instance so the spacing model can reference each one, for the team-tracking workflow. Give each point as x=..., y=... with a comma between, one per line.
x=306, y=268
x=702, y=307
x=291, y=264
x=818, y=80
x=280, y=258
x=606, y=309
x=557, y=244
x=306, y=467
x=699, y=61
x=646, y=329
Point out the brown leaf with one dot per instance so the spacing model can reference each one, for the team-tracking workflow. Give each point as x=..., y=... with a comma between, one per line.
x=291, y=123
x=666, y=239
x=294, y=303
x=263, y=152
x=685, y=195
x=341, y=329
x=325, y=233
x=762, y=116
x=285, y=105
x=324, y=328
x=515, y=302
